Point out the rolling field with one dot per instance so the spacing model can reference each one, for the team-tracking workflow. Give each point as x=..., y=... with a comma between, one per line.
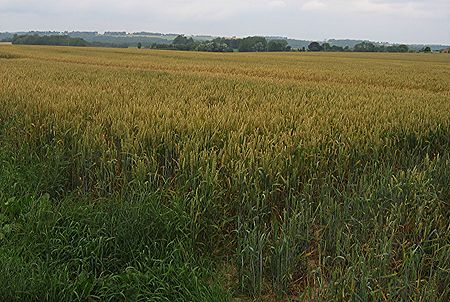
x=142, y=175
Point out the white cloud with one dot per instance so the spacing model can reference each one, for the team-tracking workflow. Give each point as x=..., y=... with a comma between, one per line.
x=198, y=8
x=343, y=18
x=278, y=3
x=314, y=5
x=411, y=8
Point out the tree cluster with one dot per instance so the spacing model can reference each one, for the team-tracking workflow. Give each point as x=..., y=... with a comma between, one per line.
x=370, y=47
x=316, y=46
x=248, y=44
x=278, y=45
x=253, y=44
x=360, y=47
x=61, y=40
x=181, y=42
x=48, y=40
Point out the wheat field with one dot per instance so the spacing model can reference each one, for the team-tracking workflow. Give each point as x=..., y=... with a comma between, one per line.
x=146, y=175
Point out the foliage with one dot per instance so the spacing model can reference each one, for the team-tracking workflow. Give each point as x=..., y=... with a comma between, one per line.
x=370, y=47
x=397, y=48
x=315, y=46
x=213, y=47
x=251, y=44
x=60, y=41
x=232, y=43
x=48, y=40
x=278, y=45
x=365, y=47
x=359, y=47
x=183, y=40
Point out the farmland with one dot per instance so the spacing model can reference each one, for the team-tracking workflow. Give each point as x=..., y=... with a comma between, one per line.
x=160, y=175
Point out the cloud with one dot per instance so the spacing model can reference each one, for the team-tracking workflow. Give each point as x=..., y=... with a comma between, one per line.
x=175, y=9
x=411, y=8
x=278, y=3
x=314, y=5
x=344, y=18
x=220, y=8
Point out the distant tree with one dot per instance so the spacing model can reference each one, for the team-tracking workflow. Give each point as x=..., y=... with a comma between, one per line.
x=364, y=47
x=278, y=45
x=381, y=48
x=315, y=46
x=213, y=46
x=326, y=47
x=391, y=48
x=336, y=48
x=253, y=44
x=259, y=47
x=397, y=48
x=232, y=43
x=139, y=45
x=426, y=49
x=49, y=40
x=183, y=40
x=403, y=48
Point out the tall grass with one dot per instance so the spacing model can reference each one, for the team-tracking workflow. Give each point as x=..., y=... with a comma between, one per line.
x=323, y=176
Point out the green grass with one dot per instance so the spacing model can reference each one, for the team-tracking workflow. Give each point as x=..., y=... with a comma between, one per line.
x=138, y=248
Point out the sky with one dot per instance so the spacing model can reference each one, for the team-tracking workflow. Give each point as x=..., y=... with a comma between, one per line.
x=401, y=21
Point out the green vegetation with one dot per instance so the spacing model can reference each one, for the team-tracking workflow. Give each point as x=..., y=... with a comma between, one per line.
x=278, y=45
x=48, y=40
x=60, y=41
x=360, y=47
x=315, y=46
x=249, y=44
x=158, y=40
x=140, y=175
x=257, y=44
x=181, y=42
x=370, y=47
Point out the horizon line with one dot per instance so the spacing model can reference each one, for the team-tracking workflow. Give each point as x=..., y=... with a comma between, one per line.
x=228, y=36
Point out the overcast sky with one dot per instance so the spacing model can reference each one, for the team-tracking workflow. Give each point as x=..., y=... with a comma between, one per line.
x=408, y=21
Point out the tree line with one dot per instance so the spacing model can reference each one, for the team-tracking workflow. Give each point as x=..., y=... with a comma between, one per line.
x=248, y=44
x=221, y=44
x=261, y=44
x=48, y=40
x=360, y=47
x=60, y=40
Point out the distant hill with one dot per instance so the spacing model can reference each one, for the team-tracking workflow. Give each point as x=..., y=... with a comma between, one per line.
x=351, y=43
x=149, y=38
x=298, y=43
x=117, y=38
